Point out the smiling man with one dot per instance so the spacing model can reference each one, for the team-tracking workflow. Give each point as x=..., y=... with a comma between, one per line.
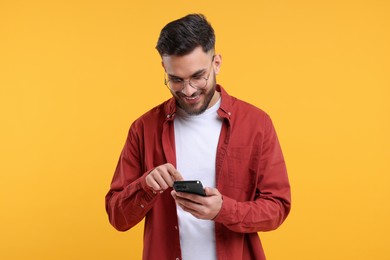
x=201, y=133
x=200, y=96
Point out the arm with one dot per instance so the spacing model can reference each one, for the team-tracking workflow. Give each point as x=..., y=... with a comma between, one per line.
x=272, y=201
x=133, y=193
x=129, y=198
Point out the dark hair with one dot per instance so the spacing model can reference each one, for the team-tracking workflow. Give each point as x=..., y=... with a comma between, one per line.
x=182, y=36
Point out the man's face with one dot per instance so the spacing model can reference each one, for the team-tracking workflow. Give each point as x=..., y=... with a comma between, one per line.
x=195, y=64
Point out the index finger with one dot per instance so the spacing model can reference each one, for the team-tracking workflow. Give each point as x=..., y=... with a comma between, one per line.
x=175, y=174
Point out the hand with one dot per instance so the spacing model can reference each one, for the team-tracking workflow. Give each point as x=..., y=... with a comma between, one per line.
x=162, y=177
x=200, y=207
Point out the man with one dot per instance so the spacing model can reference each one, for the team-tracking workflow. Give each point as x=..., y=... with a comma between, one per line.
x=204, y=134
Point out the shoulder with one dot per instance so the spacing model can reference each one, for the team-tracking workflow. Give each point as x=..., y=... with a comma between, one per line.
x=153, y=118
x=243, y=110
x=239, y=109
x=243, y=106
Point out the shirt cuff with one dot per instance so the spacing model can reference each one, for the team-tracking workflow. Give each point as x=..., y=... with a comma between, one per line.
x=227, y=213
x=150, y=194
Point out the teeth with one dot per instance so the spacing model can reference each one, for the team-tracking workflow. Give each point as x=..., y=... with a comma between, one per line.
x=191, y=98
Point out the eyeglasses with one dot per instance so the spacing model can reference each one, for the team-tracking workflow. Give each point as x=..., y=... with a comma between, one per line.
x=196, y=82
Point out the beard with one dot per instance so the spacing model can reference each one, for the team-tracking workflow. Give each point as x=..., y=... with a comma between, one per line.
x=192, y=109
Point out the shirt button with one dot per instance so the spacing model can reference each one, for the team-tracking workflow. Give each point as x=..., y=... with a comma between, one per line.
x=142, y=206
x=176, y=227
x=177, y=258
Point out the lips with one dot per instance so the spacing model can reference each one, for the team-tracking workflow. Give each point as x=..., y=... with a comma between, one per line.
x=192, y=99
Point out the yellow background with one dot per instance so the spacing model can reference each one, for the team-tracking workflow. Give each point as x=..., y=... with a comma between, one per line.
x=75, y=74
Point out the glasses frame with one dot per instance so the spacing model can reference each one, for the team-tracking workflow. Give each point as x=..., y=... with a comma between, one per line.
x=166, y=81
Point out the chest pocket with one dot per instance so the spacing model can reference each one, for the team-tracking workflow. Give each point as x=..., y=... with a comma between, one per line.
x=242, y=165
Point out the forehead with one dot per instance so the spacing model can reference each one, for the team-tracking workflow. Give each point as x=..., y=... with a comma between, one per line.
x=186, y=65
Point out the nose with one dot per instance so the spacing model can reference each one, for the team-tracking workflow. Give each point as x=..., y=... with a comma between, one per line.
x=187, y=89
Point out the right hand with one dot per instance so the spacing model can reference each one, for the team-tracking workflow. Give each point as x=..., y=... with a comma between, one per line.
x=162, y=177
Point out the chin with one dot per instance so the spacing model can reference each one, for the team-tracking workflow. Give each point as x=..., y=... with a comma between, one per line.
x=194, y=111
x=200, y=107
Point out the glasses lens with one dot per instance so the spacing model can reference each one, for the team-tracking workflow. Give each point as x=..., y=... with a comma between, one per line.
x=198, y=82
x=175, y=85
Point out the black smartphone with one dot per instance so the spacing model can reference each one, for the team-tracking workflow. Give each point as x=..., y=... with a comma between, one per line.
x=194, y=187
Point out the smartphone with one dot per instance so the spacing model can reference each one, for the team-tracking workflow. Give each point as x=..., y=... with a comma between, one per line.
x=194, y=187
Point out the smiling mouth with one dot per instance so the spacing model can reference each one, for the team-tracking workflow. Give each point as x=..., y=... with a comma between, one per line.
x=192, y=98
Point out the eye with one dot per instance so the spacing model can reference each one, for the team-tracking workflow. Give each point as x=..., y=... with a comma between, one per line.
x=175, y=80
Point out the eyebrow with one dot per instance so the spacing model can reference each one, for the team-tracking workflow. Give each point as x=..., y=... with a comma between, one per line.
x=197, y=73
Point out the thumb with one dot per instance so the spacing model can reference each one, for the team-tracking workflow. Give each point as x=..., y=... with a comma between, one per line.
x=210, y=191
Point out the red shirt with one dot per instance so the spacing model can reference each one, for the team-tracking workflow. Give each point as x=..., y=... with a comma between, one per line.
x=250, y=174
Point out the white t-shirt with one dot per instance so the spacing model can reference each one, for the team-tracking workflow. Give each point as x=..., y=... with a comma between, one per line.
x=196, y=139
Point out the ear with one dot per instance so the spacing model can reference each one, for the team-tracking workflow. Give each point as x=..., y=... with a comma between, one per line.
x=217, y=63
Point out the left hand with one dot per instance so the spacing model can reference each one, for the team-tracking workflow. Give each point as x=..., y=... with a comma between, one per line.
x=200, y=207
